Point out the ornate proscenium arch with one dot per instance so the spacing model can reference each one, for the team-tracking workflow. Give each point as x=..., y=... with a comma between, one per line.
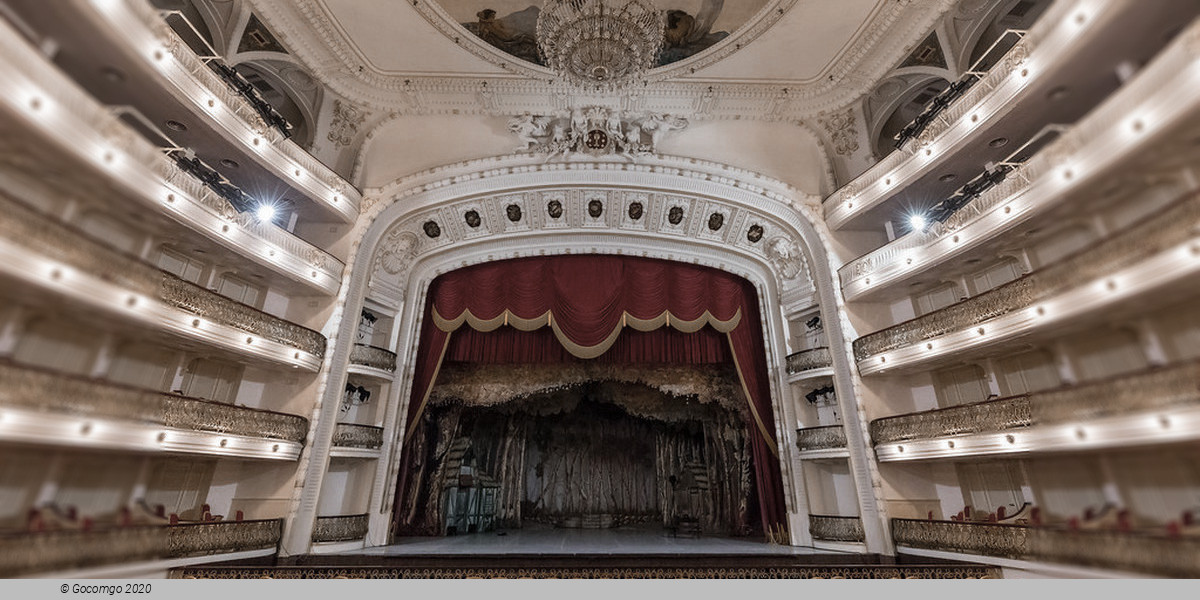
x=666, y=207
x=588, y=301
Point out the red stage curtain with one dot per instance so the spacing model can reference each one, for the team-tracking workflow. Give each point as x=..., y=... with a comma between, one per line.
x=613, y=308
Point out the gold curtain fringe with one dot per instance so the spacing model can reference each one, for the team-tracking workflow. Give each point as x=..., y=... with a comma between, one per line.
x=507, y=317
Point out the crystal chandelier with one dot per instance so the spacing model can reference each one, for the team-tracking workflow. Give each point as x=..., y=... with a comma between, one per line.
x=600, y=42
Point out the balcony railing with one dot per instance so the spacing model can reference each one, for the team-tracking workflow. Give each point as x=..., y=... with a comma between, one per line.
x=340, y=528
x=1173, y=225
x=836, y=529
x=807, y=360
x=1103, y=134
x=53, y=551
x=349, y=435
x=22, y=225
x=1148, y=390
x=829, y=437
x=370, y=356
x=232, y=97
x=1120, y=551
x=42, y=390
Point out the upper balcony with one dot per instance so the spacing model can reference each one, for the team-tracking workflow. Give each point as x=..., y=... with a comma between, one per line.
x=1151, y=407
x=1061, y=69
x=125, y=54
x=56, y=128
x=1135, y=128
x=50, y=408
x=825, y=441
x=1152, y=262
x=42, y=260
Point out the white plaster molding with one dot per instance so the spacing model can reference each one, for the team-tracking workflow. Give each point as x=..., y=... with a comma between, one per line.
x=310, y=33
x=426, y=193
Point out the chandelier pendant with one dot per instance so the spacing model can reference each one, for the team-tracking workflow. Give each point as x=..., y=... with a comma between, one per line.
x=600, y=43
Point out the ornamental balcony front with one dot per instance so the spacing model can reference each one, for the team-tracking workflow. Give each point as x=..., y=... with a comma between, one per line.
x=59, y=127
x=1159, y=254
x=43, y=256
x=372, y=361
x=1093, y=147
x=1159, y=405
x=814, y=362
x=51, y=408
x=23, y=554
x=341, y=528
x=356, y=441
x=832, y=528
x=1132, y=552
x=821, y=442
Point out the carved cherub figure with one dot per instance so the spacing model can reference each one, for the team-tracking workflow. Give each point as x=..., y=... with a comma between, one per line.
x=528, y=129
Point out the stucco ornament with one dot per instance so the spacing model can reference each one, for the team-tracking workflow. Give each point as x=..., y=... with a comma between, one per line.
x=399, y=250
x=785, y=257
x=596, y=131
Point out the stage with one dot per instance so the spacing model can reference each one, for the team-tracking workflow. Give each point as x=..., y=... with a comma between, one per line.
x=543, y=552
x=546, y=540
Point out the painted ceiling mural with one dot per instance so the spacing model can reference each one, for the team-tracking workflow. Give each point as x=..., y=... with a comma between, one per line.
x=691, y=25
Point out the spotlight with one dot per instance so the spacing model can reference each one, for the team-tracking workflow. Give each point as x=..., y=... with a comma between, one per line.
x=917, y=222
x=265, y=213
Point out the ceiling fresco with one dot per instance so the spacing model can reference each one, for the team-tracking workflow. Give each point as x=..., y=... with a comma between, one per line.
x=691, y=25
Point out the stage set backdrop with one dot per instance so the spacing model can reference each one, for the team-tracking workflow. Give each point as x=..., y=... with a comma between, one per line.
x=611, y=327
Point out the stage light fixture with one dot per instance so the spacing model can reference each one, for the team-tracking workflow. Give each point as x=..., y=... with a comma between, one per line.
x=265, y=213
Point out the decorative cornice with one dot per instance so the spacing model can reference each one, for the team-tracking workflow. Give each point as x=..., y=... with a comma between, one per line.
x=308, y=30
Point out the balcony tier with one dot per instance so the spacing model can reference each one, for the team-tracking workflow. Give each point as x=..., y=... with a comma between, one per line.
x=63, y=263
x=828, y=437
x=1120, y=551
x=47, y=407
x=1153, y=254
x=57, y=551
x=1098, y=414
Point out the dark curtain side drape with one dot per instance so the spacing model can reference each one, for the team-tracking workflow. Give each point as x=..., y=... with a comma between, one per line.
x=616, y=309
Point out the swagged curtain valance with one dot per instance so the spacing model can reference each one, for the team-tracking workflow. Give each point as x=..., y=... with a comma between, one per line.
x=610, y=308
